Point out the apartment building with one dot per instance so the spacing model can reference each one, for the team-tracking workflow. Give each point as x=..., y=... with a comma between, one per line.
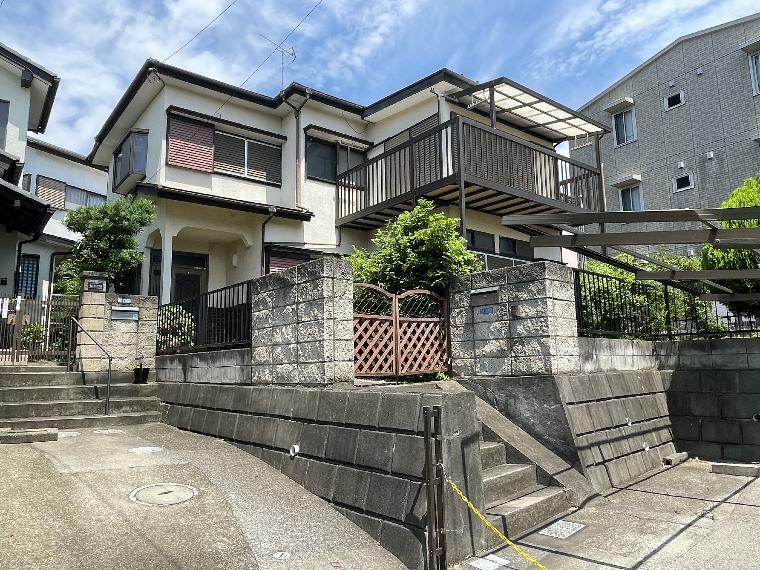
x=27, y=92
x=247, y=183
x=66, y=181
x=685, y=123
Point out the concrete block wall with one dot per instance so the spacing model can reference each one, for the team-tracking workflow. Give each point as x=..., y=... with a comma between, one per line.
x=620, y=423
x=303, y=325
x=616, y=354
x=360, y=449
x=122, y=339
x=231, y=366
x=713, y=410
x=717, y=354
x=514, y=321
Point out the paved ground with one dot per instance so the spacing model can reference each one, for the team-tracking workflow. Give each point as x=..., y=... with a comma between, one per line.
x=65, y=505
x=682, y=517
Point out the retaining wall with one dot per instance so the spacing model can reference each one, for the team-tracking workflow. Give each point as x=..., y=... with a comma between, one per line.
x=360, y=449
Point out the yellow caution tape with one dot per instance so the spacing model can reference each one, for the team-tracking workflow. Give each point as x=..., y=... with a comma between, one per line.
x=492, y=528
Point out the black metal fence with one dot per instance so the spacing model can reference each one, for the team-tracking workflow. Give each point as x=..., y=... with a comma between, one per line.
x=608, y=306
x=211, y=321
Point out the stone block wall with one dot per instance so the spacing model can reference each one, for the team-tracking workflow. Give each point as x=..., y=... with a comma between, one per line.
x=514, y=321
x=717, y=354
x=231, y=366
x=360, y=449
x=303, y=325
x=122, y=339
x=616, y=354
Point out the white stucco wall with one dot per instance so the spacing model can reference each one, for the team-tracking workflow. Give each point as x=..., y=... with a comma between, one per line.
x=7, y=262
x=18, y=112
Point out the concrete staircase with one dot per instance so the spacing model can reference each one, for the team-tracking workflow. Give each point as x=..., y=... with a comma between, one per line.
x=46, y=396
x=515, y=501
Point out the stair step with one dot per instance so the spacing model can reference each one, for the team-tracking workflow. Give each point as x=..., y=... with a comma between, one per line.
x=506, y=481
x=492, y=453
x=518, y=516
x=19, y=394
x=42, y=378
x=82, y=421
x=37, y=409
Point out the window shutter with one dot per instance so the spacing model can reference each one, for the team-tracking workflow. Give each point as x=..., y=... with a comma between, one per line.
x=265, y=162
x=52, y=191
x=229, y=154
x=190, y=144
x=26, y=182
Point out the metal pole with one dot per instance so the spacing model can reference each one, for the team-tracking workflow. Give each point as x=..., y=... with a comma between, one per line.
x=492, y=104
x=667, y=314
x=69, y=366
x=108, y=389
x=432, y=519
x=602, y=189
x=460, y=155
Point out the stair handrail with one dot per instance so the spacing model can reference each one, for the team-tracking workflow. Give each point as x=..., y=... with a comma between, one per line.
x=70, y=366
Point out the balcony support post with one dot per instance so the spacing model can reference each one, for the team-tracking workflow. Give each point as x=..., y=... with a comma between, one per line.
x=460, y=162
x=492, y=104
x=602, y=190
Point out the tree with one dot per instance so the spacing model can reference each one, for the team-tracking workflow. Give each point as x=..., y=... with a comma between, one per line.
x=419, y=249
x=712, y=258
x=108, y=241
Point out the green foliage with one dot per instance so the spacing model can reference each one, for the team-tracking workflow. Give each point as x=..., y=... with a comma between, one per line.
x=32, y=336
x=108, y=242
x=746, y=195
x=176, y=328
x=419, y=249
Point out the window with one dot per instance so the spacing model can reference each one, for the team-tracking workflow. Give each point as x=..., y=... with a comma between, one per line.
x=244, y=157
x=683, y=182
x=52, y=191
x=348, y=158
x=673, y=100
x=190, y=143
x=321, y=159
x=515, y=248
x=130, y=157
x=26, y=182
x=631, y=199
x=625, y=127
x=754, y=66
x=4, y=109
x=28, y=273
x=78, y=197
x=481, y=241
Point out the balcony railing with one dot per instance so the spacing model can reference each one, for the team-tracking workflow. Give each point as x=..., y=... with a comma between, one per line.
x=491, y=158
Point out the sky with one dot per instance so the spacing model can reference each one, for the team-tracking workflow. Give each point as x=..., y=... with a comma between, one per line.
x=357, y=50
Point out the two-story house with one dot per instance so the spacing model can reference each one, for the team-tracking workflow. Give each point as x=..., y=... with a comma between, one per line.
x=686, y=122
x=247, y=183
x=27, y=92
x=66, y=181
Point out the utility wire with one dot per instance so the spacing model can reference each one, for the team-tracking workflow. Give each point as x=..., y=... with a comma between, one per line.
x=188, y=42
x=258, y=67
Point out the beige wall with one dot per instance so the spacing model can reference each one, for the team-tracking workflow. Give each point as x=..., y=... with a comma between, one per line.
x=7, y=261
x=18, y=113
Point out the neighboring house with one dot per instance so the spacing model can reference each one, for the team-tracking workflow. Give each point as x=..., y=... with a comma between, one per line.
x=246, y=184
x=686, y=122
x=27, y=91
x=66, y=181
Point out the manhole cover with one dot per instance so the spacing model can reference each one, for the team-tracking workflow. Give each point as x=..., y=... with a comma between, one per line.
x=68, y=434
x=163, y=494
x=561, y=529
x=145, y=450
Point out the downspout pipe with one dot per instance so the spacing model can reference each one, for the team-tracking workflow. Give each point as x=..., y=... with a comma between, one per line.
x=297, y=114
x=272, y=212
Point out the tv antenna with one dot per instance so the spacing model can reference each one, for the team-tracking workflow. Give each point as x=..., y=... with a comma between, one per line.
x=289, y=53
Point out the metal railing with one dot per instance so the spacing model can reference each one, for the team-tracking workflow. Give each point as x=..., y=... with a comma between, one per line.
x=210, y=321
x=490, y=157
x=608, y=306
x=76, y=325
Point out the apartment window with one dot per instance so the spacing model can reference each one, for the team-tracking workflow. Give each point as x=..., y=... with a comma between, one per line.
x=481, y=241
x=754, y=65
x=28, y=274
x=683, y=182
x=625, y=127
x=244, y=157
x=673, y=100
x=631, y=199
x=4, y=110
x=52, y=191
x=130, y=157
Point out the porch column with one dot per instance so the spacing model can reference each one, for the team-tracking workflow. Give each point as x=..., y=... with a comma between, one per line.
x=145, y=272
x=166, y=268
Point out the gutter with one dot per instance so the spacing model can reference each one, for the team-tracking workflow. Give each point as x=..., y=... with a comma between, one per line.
x=297, y=114
x=272, y=212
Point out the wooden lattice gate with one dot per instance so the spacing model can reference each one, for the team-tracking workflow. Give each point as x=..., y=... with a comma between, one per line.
x=399, y=335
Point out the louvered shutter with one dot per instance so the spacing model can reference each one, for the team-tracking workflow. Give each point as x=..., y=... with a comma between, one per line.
x=52, y=191
x=229, y=154
x=190, y=144
x=424, y=125
x=265, y=161
x=26, y=182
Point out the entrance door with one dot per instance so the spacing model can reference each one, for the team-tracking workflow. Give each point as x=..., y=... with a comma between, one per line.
x=187, y=283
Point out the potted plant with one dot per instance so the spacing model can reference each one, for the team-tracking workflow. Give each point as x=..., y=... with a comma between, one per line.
x=141, y=373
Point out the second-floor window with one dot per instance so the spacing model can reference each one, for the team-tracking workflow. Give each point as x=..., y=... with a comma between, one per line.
x=326, y=159
x=631, y=199
x=625, y=127
x=754, y=65
x=683, y=182
x=64, y=196
x=4, y=110
x=130, y=157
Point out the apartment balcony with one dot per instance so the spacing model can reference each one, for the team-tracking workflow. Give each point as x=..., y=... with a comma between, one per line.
x=498, y=174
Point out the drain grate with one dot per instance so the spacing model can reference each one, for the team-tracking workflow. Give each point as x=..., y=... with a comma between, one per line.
x=561, y=529
x=145, y=450
x=163, y=494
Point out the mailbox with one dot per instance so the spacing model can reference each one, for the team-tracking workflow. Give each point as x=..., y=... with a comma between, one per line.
x=125, y=313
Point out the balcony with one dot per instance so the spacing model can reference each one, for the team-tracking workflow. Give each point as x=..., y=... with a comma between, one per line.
x=484, y=169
